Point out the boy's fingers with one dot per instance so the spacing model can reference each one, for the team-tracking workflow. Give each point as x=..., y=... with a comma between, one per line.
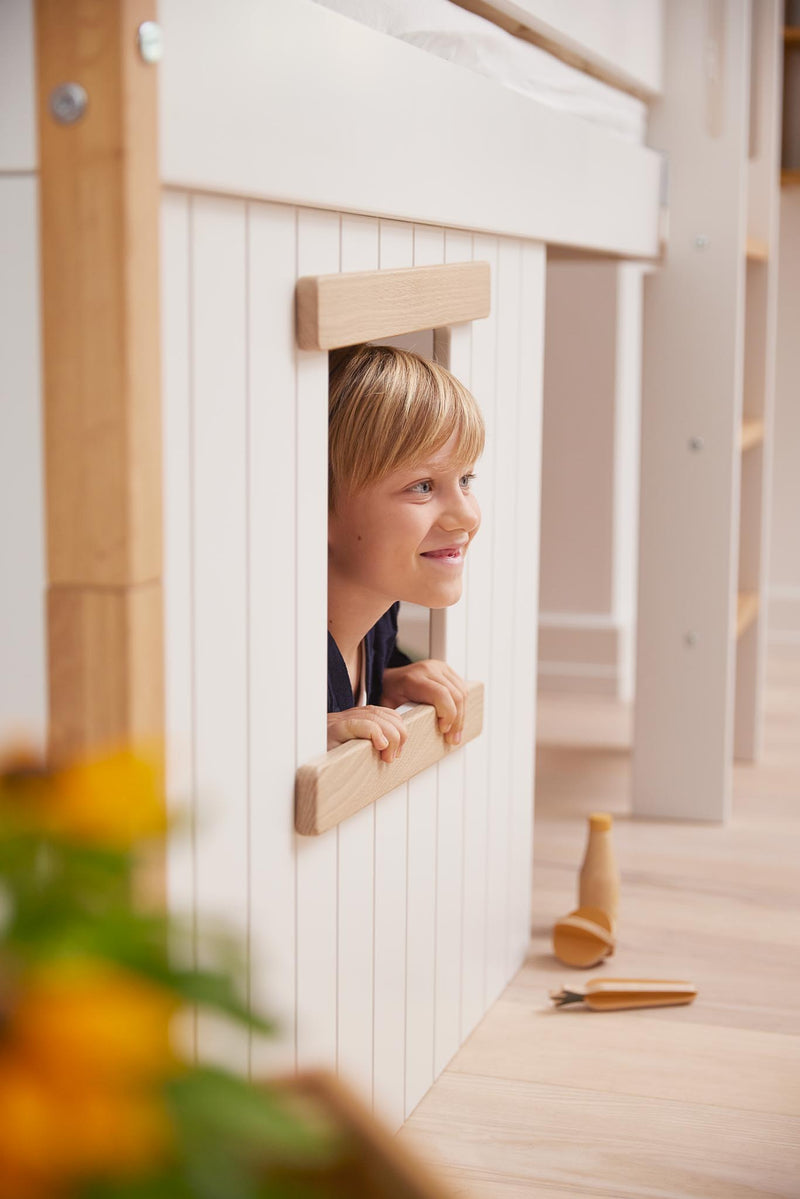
x=384, y=728
x=440, y=695
x=388, y=718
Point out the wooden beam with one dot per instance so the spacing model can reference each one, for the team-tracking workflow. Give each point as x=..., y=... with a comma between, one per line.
x=345, y=309
x=103, y=644
x=342, y=782
x=757, y=250
x=746, y=610
x=752, y=434
x=99, y=214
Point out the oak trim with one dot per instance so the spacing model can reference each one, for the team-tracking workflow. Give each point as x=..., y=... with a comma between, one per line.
x=357, y=306
x=103, y=644
x=99, y=233
x=747, y=604
x=756, y=249
x=340, y=783
x=752, y=433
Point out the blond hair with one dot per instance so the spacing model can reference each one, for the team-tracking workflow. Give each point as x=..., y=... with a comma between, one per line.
x=390, y=408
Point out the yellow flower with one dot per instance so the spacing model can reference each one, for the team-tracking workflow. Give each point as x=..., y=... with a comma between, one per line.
x=94, y=1019
x=54, y=1130
x=83, y=1049
x=114, y=800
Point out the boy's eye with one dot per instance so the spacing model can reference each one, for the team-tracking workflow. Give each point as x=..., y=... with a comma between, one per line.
x=467, y=481
x=424, y=487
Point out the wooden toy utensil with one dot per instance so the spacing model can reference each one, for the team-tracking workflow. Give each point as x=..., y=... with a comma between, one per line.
x=584, y=937
x=613, y=994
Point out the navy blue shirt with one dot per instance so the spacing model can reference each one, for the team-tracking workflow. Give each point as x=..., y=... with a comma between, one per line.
x=380, y=652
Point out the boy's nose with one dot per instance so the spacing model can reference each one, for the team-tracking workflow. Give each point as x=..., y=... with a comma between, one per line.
x=463, y=513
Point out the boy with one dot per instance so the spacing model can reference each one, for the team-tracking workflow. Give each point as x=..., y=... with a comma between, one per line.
x=404, y=436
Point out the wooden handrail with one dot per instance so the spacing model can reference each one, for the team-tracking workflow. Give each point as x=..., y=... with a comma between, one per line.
x=356, y=306
x=343, y=781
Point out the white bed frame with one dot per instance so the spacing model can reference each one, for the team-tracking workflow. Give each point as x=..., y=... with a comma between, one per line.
x=379, y=944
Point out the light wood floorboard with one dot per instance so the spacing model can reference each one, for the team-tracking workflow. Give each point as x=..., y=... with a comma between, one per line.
x=671, y=1103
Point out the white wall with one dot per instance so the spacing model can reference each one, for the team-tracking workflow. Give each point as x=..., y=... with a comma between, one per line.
x=23, y=697
x=784, y=585
x=590, y=474
x=380, y=944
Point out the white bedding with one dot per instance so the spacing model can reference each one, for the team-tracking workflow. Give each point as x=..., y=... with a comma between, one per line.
x=461, y=37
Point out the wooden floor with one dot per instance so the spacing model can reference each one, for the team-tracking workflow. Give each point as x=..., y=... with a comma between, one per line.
x=696, y=1101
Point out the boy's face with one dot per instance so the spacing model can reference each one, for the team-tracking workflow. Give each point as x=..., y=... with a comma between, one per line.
x=405, y=537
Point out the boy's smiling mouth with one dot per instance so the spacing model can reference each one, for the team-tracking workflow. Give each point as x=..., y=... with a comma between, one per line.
x=453, y=554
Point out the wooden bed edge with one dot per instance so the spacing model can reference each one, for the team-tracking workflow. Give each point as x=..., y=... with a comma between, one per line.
x=341, y=782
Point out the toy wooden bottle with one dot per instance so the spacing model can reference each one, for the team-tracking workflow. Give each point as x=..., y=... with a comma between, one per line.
x=599, y=878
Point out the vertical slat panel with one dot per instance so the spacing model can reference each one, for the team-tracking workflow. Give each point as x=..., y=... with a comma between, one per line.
x=523, y=679
x=220, y=598
x=422, y=820
x=178, y=523
x=318, y=236
x=479, y=659
x=450, y=823
x=396, y=248
x=23, y=682
x=357, y=835
x=502, y=665
x=273, y=626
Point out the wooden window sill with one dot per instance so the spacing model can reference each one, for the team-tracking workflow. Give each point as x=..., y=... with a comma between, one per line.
x=344, y=309
x=343, y=781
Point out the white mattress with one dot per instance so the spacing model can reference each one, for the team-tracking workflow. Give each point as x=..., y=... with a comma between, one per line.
x=463, y=38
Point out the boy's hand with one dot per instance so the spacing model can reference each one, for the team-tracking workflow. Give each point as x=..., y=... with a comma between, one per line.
x=383, y=727
x=429, y=682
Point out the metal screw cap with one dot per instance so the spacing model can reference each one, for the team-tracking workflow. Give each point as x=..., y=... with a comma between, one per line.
x=691, y=638
x=696, y=443
x=150, y=39
x=68, y=103
x=702, y=241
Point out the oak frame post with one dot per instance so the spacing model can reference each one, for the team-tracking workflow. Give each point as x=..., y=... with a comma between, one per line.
x=99, y=222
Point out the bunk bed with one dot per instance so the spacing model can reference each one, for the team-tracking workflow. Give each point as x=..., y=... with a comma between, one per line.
x=296, y=143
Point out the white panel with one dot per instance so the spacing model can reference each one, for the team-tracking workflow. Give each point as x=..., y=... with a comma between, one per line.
x=450, y=827
x=391, y=870
x=421, y=936
x=357, y=835
x=178, y=590
x=23, y=653
x=272, y=605
x=317, y=873
x=480, y=152
x=523, y=679
x=17, y=87
x=503, y=664
x=692, y=388
x=422, y=824
x=627, y=451
x=220, y=574
x=479, y=660
x=389, y=1012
